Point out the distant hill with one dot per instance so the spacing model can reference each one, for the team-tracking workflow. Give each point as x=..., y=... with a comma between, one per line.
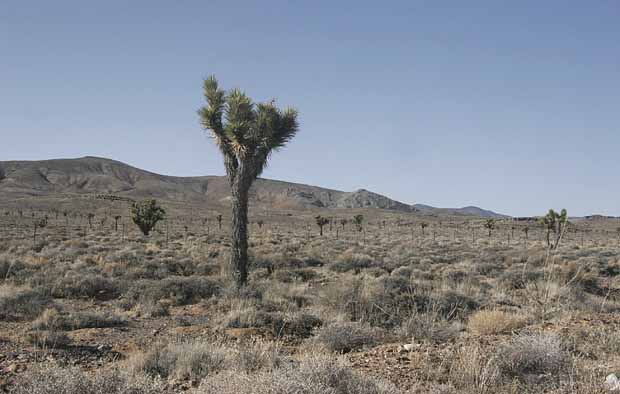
x=468, y=211
x=94, y=175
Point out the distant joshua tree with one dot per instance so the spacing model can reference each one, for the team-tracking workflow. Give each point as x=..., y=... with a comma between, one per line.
x=145, y=214
x=359, y=221
x=489, y=224
x=116, y=219
x=423, y=226
x=90, y=216
x=526, y=230
x=556, y=223
x=246, y=134
x=321, y=221
x=38, y=223
x=219, y=221
x=343, y=223
x=260, y=223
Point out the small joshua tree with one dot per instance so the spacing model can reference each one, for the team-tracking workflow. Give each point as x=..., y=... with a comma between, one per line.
x=554, y=222
x=489, y=224
x=423, y=226
x=321, y=221
x=343, y=223
x=145, y=214
x=219, y=221
x=90, y=216
x=38, y=223
x=260, y=223
x=116, y=219
x=247, y=134
x=359, y=221
x=526, y=230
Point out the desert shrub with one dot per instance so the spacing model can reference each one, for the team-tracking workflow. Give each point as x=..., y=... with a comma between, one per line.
x=189, y=360
x=56, y=380
x=9, y=268
x=48, y=338
x=351, y=262
x=259, y=356
x=152, y=308
x=313, y=375
x=472, y=368
x=487, y=322
x=531, y=355
x=294, y=275
x=346, y=337
x=252, y=317
x=180, y=290
x=196, y=360
x=21, y=303
x=515, y=280
x=429, y=326
x=52, y=319
x=452, y=304
x=74, y=285
x=301, y=325
x=404, y=271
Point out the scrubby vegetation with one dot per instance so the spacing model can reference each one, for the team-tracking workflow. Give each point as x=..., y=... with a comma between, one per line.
x=391, y=308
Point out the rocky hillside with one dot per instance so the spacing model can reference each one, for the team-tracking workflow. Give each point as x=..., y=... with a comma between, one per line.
x=94, y=175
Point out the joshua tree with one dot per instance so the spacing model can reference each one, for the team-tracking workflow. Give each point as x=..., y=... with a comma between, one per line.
x=145, y=214
x=526, y=230
x=321, y=221
x=91, y=216
x=359, y=221
x=38, y=223
x=260, y=223
x=219, y=221
x=343, y=222
x=116, y=219
x=423, y=225
x=489, y=224
x=246, y=134
x=556, y=223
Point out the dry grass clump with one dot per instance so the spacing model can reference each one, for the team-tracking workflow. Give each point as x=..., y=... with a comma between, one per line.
x=346, y=337
x=21, y=303
x=429, y=326
x=198, y=359
x=48, y=338
x=314, y=375
x=56, y=380
x=187, y=360
x=531, y=357
x=178, y=289
x=53, y=319
x=490, y=322
x=83, y=285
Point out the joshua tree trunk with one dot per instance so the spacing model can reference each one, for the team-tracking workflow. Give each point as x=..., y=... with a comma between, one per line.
x=239, y=249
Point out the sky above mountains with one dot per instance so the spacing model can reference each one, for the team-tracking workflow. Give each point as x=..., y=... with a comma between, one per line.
x=511, y=106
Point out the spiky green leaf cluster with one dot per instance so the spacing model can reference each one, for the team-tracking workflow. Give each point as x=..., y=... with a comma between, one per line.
x=321, y=221
x=145, y=214
x=245, y=132
x=553, y=221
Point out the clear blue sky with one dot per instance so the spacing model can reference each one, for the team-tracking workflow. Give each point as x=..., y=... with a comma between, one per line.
x=509, y=105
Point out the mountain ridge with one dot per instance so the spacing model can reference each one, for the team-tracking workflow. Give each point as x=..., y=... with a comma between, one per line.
x=91, y=174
